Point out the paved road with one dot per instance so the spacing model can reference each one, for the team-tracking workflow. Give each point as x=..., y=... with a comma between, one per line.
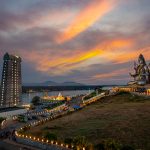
x=10, y=145
x=76, y=101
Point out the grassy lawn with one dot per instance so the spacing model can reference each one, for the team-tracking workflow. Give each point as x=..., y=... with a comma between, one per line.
x=124, y=118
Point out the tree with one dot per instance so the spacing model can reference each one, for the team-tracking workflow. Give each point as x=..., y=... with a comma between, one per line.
x=36, y=100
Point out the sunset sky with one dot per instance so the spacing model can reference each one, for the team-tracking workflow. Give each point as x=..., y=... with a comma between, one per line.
x=86, y=41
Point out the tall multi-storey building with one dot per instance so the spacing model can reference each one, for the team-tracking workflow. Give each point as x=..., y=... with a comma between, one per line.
x=11, y=88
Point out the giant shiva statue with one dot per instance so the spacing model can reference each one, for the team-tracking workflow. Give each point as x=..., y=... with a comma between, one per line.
x=142, y=72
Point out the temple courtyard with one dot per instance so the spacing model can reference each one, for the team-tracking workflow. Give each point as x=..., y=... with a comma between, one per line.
x=124, y=118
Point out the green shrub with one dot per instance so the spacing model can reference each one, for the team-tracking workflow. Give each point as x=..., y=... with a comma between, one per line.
x=100, y=146
x=127, y=147
x=80, y=141
x=111, y=144
x=50, y=136
x=108, y=144
x=68, y=141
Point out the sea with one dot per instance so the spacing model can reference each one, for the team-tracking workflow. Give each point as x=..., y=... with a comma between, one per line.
x=27, y=97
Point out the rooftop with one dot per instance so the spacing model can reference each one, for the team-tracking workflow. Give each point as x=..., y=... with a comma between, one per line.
x=9, y=56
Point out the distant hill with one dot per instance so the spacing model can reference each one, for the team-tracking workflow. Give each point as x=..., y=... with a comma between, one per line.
x=72, y=84
x=52, y=83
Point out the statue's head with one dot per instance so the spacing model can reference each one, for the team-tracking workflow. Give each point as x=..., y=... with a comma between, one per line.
x=141, y=60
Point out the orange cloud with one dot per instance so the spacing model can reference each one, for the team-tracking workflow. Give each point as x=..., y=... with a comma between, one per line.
x=67, y=63
x=116, y=44
x=59, y=64
x=119, y=51
x=111, y=74
x=87, y=17
x=121, y=43
x=111, y=51
x=126, y=56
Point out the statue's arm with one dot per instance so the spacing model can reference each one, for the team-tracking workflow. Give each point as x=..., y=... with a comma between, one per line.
x=133, y=75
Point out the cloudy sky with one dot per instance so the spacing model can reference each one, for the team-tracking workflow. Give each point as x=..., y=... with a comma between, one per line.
x=87, y=41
